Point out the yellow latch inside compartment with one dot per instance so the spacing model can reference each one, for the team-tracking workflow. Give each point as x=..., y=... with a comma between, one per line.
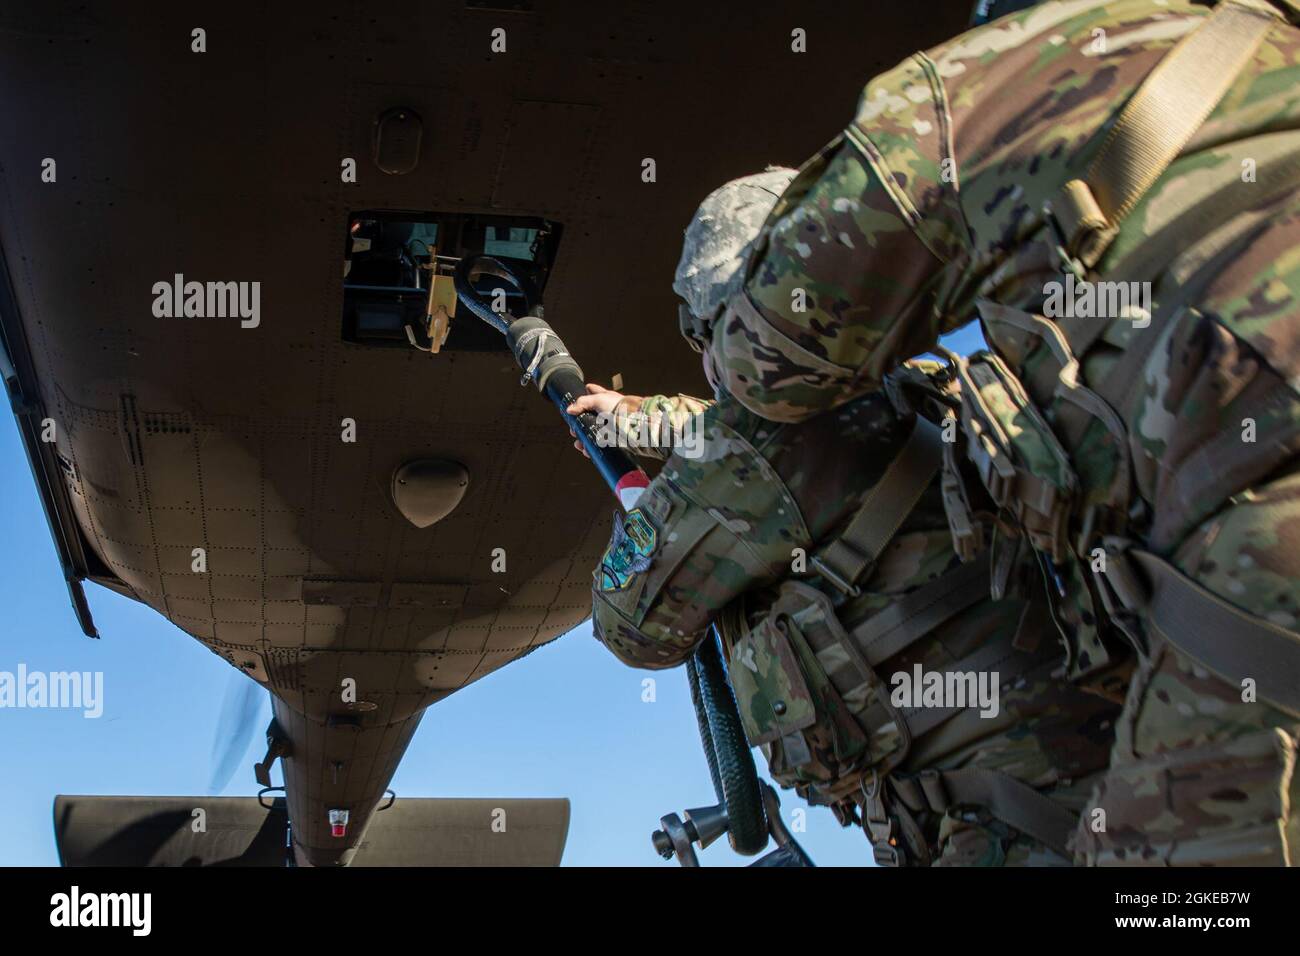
x=441, y=308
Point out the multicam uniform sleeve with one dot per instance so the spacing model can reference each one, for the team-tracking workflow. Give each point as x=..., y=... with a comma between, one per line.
x=653, y=427
x=706, y=530
x=855, y=268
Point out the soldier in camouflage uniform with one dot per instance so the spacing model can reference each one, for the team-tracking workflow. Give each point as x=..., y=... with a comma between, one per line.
x=1143, y=154
x=745, y=534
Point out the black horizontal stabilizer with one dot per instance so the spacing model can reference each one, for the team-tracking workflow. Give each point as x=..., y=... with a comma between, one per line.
x=239, y=831
x=169, y=831
x=460, y=831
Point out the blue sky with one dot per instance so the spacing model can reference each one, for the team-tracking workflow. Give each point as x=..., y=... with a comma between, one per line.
x=568, y=720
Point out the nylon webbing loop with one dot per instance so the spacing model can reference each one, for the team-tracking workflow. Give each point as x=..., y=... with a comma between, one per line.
x=907, y=619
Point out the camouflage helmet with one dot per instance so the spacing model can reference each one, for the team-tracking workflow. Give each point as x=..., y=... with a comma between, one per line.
x=718, y=242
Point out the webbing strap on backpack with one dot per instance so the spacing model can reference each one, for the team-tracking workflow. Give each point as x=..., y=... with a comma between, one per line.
x=1006, y=798
x=1232, y=643
x=1153, y=128
x=847, y=557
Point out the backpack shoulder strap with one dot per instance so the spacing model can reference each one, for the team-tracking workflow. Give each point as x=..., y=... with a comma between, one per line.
x=1153, y=128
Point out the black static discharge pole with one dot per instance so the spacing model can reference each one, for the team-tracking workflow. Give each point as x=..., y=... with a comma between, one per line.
x=546, y=363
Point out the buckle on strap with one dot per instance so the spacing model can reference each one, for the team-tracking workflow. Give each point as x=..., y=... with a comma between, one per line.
x=1079, y=228
x=851, y=554
x=1123, y=592
x=877, y=823
x=828, y=571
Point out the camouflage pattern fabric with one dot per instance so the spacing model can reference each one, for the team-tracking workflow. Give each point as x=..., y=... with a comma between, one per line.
x=651, y=426
x=733, y=525
x=926, y=211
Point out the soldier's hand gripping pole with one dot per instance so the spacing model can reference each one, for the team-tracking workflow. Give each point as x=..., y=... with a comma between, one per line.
x=546, y=363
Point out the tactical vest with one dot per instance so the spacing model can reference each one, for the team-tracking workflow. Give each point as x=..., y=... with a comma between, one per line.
x=1080, y=532
x=811, y=668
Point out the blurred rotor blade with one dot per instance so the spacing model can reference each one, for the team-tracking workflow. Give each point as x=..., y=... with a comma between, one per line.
x=236, y=728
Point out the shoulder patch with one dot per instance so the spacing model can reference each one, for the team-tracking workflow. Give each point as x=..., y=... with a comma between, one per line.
x=630, y=550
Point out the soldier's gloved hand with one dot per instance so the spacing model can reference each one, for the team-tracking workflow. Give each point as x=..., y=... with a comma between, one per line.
x=601, y=401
